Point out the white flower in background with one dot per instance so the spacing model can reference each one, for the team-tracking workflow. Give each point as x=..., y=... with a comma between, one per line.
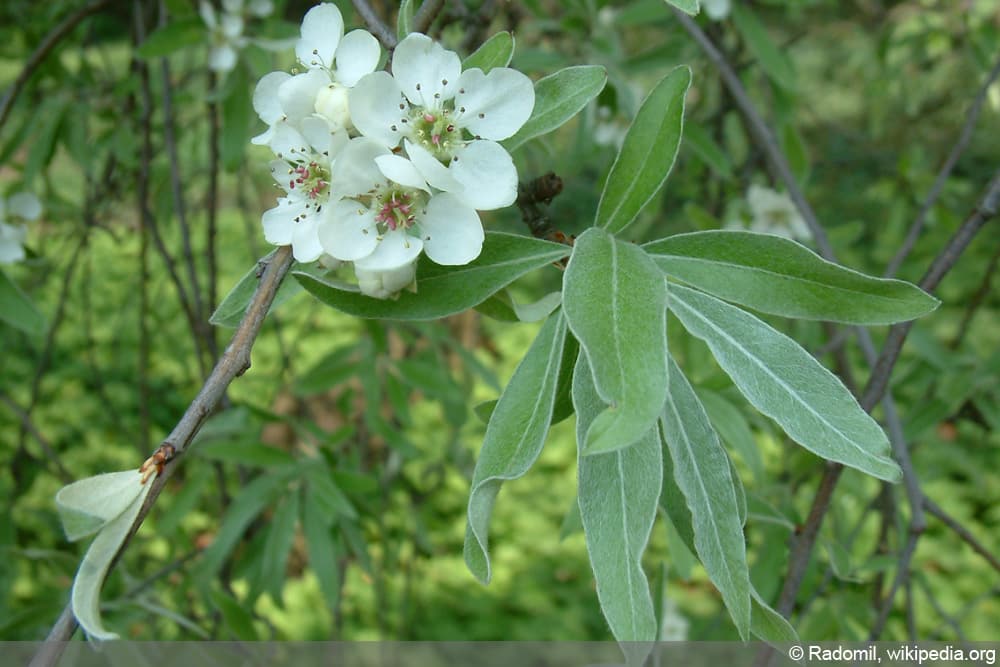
x=774, y=213
x=389, y=214
x=334, y=63
x=716, y=10
x=226, y=29
x=449, y=121
x=24, y=206
x=303, y=171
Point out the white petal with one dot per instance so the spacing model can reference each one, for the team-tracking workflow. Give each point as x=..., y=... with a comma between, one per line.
x=427, y=73
x=318, y=133
x=332, y=104
x=232, y=25
x=261, y=8
x=384, y=284
x=288, y=143
x=396, y=249
x=354, y=172
x=451, y=231
x=495, y=105
x=232, y=6
x=265, y=97
x=347, y=230
x=11, y=243
x=487, y=175
x=221, y=58
x=357, y=55
x=378, y=108
x=297, y=95
x=305, y=240
x=322, y=28
x=279, y=222
x=264, y=138
x=400, y=170
x=433, y=171
x=24, y=205
x=207, y=12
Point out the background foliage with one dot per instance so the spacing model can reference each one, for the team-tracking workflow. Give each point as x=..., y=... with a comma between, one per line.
x=328, y=498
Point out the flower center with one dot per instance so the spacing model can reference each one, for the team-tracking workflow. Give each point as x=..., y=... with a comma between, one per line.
x=436, y=132
x=396, y=209
x=310, y=178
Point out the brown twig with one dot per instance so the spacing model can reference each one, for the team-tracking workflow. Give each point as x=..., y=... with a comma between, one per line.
x=425, y=16
x=934, y=509
x=949, y=164
x=233, y=363
x=378, y=27
x=977, y=299
x=42, y=52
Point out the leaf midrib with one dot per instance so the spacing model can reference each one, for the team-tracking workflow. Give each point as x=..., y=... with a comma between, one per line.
x=786, y=276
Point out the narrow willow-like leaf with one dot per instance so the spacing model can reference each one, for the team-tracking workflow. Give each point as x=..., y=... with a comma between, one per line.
x=559, y=97
x=769, y=625
x=686, y=6
x=514, y=437
x=17, y=310
x=647, y=155
x=778, y=276
x=775, y=64
x=495, y=52
x=445, y=290
x=702, y=472
x=404, y=19
x=85, y=597
x=786, y=383
x=733, y=428
x=89, y=504
x=618, y=496
x=614, y=299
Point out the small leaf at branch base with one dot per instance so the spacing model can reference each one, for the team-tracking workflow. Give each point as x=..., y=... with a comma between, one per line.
x=786, y=383
x=618, y=496
x=686, y=6
x=85, y=597
x=514, y=437
x=647, y=155
x=615, y=299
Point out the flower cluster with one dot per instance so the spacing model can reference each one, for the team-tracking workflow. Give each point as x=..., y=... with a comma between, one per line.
x=226, y=29
x=21, y=206
x=773, y=212
x=377, y=167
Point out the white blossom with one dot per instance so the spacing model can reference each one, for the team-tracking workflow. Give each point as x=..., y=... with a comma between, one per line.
x=226, y=29
x=716, y=10
x=385, y=284
x=448, y=121
x=388, y=214
x=774, y=213
x=21, y=206
x=333, y=61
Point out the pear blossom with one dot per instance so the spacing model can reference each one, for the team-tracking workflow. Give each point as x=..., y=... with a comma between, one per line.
x=226, y=29
x=303, y=172
x=717, y=10
x=23, y=206
x=388, y=214
x=774, y=212
x=448, y=121
x=333, y=61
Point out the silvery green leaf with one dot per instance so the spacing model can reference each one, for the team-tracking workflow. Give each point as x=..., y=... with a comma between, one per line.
x=775, y=275
x=17, y=310
x=559, y=97
x=686, y=6
x=786, y=383
x=514, y=436
x=704, y=476
x=615, y=299
x=769, y=625
x=733, y=428
x=89, y=504
x=618, y=495
x=647, y=154
x=85, y=597
x=494, y=52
